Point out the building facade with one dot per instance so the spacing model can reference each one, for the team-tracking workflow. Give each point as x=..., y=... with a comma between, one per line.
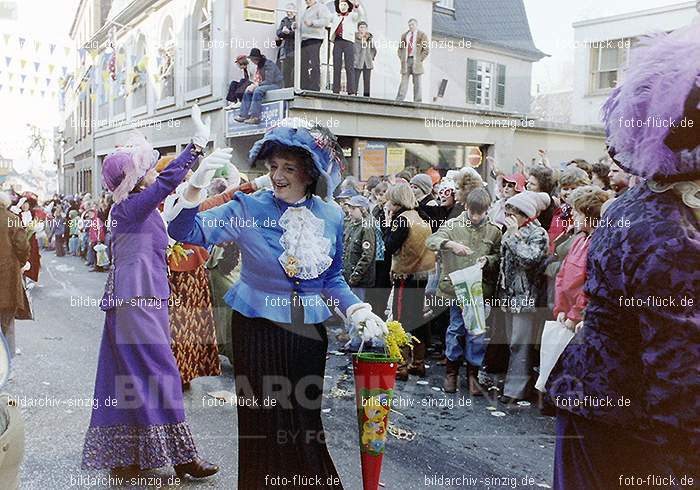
x=603, y=47
x=148, y=61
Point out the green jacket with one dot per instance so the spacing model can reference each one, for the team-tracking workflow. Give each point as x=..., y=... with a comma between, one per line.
x=358, y=254
x=483, y=239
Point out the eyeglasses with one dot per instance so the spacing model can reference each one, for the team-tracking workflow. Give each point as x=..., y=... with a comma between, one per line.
x=445, y=192
x=509, y=184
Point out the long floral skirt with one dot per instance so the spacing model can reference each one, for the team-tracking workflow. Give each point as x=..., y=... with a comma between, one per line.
x=281, y=446
x=139, y=414
x=192, y=325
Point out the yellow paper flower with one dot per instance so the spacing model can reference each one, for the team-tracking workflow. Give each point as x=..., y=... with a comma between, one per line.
x=396, y=339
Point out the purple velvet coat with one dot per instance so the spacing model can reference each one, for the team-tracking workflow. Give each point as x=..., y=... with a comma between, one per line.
x=139, y=239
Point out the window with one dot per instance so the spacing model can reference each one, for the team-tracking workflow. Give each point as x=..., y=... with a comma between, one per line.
x=608, y=60
x=448, y=4
x=199, y=68
x=139, y=75
x=166, y=60
x=486, y=83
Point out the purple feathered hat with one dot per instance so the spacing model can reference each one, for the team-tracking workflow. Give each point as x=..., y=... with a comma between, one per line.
x=124, y=168
x=661, y=88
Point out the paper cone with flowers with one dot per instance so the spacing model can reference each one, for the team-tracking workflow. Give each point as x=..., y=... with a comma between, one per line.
x=375, y=376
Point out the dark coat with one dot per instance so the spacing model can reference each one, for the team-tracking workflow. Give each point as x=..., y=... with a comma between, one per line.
x=14, y=252
x=286, y=49
x=359, y=254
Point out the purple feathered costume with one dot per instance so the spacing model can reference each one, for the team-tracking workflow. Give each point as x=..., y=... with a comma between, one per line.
x=628, y=386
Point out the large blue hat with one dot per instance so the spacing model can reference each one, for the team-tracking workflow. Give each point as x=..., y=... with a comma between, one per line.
x=322, y=145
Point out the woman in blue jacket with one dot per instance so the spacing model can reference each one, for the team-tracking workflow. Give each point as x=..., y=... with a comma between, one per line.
x=291, y=243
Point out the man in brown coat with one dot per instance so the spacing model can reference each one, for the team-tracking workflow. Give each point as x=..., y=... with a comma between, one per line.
x=413, y=50
x=14, y=252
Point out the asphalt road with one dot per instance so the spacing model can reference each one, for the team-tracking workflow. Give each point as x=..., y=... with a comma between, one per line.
x=457, y=442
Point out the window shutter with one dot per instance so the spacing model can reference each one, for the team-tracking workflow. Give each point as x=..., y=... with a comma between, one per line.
x=501, y=87
x=472, y=82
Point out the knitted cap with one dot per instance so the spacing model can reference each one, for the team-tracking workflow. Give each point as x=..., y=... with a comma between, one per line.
x=358, y=202
x=423, y=182
x=530, y=203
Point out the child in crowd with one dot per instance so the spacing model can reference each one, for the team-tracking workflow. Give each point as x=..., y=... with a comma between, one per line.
x=561, y=224
x=462, y=242
x=570, y=299
x=359, y=246
x=524, y=248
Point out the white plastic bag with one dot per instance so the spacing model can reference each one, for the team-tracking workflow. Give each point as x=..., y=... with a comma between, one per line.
x=555, y=338
x=102, y=257
x=470, y=294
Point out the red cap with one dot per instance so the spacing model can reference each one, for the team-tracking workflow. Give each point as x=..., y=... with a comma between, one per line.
x=240, y=58
x=519, y=180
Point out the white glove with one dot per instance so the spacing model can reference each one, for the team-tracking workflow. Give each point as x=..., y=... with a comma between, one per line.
x=202, y=128
x=208, y=167
x=176, y=202
x=234, y=177
x=263, y=182
x=364, y=323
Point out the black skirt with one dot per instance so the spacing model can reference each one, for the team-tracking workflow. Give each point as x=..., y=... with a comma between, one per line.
x=280, y=444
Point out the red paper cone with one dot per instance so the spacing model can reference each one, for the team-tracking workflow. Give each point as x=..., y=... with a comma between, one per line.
x=375, y=376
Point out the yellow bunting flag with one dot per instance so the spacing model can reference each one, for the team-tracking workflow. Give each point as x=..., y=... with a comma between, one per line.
x=51, y=67
x=22, y=63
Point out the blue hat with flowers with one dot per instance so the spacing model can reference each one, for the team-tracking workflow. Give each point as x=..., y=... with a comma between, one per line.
x=326, y=153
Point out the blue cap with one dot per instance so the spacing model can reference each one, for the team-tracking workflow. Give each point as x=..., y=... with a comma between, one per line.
x=358, y=202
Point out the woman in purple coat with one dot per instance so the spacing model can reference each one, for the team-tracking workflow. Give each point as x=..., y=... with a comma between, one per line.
x=627, y=388
x=139, y=421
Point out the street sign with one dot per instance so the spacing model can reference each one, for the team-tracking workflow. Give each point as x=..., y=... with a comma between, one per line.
x=272, y=114
x=474, y=156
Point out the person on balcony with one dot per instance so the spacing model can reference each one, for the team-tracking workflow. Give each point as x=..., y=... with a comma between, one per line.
x=314, y=21
x=285, y=41
x=267, y=77
x=365, y=52
x=236, y=89
x=413, y=50
x=343, y=30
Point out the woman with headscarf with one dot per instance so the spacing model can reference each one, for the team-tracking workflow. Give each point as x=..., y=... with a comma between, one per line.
x=291, y=242
x=25, y=208
x=628, y=383
x=139, y=418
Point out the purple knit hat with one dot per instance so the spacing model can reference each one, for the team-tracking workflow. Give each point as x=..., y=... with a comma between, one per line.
x=664, y=70
x=125, y=167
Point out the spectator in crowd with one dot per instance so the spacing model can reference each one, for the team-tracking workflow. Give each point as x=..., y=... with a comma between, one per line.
x=236, y=89
x=285, y=41
x=359, y=247
x=413, y=51
x=570, y=300
x=601, y=172
x=428, y=207
x=619, y=179
x=379, y=295
x=462, y=242
x=411, y=262
x=524, y=249
x=268, y=77
x=542, y=179
x=314, y=21
x=449, y=207
x=60, y=231
x=343, y=31
x=508, y=186
x=14, y=253
x=562, y=224
x=365, y=53
x=583, y=165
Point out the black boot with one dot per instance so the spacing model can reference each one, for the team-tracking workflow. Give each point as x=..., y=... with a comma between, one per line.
x=196, y=469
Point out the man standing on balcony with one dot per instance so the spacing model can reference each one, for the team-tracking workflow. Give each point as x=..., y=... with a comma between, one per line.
x=413, y=50
x=343, y=30
x=314, y=21
x=267, y=77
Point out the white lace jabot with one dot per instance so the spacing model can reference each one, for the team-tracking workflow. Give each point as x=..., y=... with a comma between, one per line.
x=306, y=249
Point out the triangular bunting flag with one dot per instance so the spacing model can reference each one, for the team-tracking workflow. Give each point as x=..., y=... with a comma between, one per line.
x=51, y=67
x=10, y=76
x=51, y=48
x=23, y=78
x=7, y=38
x=0, y=87
x=37, y=45
x=8, y=59
x=23, y=63
x=31, y=92
x=21, y=91
x=36, y=80
x=36, y=65
x=66, y=50
x=64, y=69
x=42, y=94
x=48, y=82
x=21, y=42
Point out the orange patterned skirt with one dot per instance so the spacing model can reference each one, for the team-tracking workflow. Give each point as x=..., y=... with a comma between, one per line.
x=192, y=331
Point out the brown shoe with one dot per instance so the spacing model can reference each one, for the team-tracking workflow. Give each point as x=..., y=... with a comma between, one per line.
x=402, y=373
x=451, y=376
x=417, y=367
x=252, y=120
x=475, y=388
x=196, y=469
